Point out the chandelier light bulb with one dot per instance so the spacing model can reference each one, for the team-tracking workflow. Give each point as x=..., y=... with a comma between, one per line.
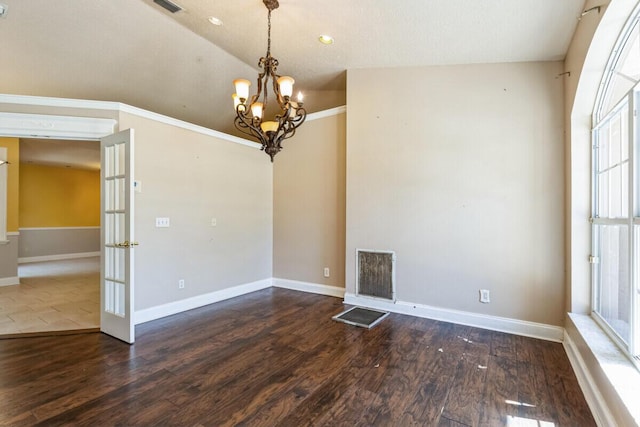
x=242, y=88
x=300, y=97
x=269, y=126
x=236, y=101
x=285, y=83
x=256, y=109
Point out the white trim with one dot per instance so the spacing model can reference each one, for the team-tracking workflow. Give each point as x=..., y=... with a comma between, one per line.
x=4, y=177
x=125, y=108
x=9, y=281
x=326, y=113
x=160, y=311
x=494, y=323
x=117, y=107
x=58, y=228
x=13, y=233
x=313, y=288
x=26, y=260
x=48, y=126
x=186, y=125
x=44, y=101
x=600, y=411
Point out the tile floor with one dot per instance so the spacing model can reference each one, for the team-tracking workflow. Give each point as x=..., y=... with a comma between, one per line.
x=52, y=296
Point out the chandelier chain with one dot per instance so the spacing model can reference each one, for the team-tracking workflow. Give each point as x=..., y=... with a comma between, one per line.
x=269, y=35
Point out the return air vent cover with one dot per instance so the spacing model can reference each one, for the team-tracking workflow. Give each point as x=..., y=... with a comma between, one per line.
x=170, y=6
x=363, y=317
x=375, y=274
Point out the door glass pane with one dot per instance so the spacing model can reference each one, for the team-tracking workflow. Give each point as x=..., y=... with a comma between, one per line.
x=613, y=296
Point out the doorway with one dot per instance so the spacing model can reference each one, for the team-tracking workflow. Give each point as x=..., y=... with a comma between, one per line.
x=59, y=245
x=118, y=290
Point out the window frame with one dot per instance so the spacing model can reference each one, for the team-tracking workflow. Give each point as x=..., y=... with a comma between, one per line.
x=600, y=118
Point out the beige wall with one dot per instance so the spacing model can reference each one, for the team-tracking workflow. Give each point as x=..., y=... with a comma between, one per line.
x=309, y=203
x=192, y=178
x=459, y=169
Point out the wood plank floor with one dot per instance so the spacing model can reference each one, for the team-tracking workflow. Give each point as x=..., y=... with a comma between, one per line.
x=275, y=358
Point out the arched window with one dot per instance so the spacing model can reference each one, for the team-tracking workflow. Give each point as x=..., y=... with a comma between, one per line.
x=616, y=194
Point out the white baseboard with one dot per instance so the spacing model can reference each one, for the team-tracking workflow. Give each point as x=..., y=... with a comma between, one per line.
x=314, y=288
x=600, y=411
x=9, y=281
x=494, y=323
x=25, y=260
x=157, y=312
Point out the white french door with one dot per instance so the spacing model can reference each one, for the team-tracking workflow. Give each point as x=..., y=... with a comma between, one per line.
x=117, y=236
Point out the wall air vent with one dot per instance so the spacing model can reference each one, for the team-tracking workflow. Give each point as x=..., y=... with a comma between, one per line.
x=170, y=6
x=375, y=274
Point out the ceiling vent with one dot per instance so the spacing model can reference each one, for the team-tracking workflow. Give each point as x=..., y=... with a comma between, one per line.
x=170, y=6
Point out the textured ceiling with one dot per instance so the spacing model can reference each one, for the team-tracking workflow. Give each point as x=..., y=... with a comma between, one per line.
x=180, y=65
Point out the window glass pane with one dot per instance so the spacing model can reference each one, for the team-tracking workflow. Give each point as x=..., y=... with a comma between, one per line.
x=625, y=71
x=613, y=296
x=636, y=281
x=612, y=179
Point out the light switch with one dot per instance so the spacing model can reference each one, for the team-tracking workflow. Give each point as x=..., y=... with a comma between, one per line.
x=214, y=222
x=162, y=222
x=137, y=186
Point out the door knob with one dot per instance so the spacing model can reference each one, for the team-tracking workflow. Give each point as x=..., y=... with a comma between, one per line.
x=127, y=244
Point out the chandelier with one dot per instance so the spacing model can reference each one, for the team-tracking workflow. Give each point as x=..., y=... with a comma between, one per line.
x=250, y=113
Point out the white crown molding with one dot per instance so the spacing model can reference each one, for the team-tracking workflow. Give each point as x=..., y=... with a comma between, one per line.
x=46, y=126
x=494, y=323
x=326, y=113
x=186, y=125
x=125, y=108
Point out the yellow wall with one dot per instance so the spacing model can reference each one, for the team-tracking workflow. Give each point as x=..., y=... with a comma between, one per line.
x=13, y=174
x=59, y=197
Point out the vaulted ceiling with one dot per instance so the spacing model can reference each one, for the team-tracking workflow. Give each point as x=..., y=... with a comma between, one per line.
x=180, y=65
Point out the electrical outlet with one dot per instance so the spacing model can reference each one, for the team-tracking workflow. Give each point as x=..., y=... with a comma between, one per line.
x=181, y=284
x=484, y=296
x=326, y=272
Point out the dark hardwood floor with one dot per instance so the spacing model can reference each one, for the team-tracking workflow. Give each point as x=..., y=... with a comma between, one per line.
x=275, y=358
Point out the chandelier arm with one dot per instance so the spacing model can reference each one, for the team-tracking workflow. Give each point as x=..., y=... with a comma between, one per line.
x=245, y=124
x=276, y=89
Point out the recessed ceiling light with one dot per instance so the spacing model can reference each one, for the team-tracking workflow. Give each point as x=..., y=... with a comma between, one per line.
x=215, y=21
x=325, y=39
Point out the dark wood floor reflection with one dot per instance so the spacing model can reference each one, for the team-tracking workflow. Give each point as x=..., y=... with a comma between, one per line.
x=275, y=357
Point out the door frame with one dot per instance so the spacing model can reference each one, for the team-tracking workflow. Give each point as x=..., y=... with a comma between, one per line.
x=49, y=126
